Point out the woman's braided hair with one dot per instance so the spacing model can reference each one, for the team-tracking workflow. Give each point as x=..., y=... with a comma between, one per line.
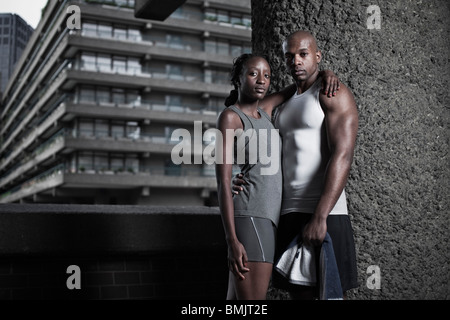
x=235, y=73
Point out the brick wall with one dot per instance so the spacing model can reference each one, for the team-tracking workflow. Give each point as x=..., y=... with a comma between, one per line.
x=163, y=276
x=123, y=252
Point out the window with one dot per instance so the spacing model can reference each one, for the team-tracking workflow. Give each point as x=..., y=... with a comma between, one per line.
x=120, y=32
x=86, y=128
x=103, y=96
x=132, y=163
x=85, y=161
x=133, y=97
x=104, y=63
x=134, y=66
x=117, y=162
x=101, y=128
x=178, y=13
x=134, y=34
x=87, y=94
x=173, y=100
x=247, y=20
x=121, y=3
x=104, y=30
x=220, y=77
x=174, y=41
x=223, y=47
x=133, y=130
x=236, y=50
x=101, y=161
x=73, y=164
x=117, y=129
x=222, y=16
x=118, y=96
x=174, y=71
x=89, y=29
x=208, y=76
x=119, y=64
x=236, y=19
x=210, y=46
x=210, y=15
x=88, y=62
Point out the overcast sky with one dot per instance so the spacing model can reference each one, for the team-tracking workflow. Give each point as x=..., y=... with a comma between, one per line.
x=28, y=10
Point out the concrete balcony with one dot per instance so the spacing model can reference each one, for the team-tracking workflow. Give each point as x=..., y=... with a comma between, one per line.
x=58, y=179
x=143, y=80
x=77, y=42
x=144, y=110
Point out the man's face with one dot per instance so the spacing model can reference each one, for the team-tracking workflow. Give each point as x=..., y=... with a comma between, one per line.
x=302, y=57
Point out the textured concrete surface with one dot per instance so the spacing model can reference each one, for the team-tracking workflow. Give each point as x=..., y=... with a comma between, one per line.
x=399, y=74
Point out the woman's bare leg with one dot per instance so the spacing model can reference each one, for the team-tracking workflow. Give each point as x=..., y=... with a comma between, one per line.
x=255, y=284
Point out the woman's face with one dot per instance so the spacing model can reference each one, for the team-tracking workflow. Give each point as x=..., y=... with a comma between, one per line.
x=255, y=79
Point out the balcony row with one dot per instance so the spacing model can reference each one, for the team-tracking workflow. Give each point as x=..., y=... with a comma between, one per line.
x=67, y=81
x=63, y=176
x=68, y=40
x=189, y=78
x=65, y=109
x=117, y=138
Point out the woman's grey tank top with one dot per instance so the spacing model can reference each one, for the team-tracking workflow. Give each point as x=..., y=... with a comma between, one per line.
x=260, y=142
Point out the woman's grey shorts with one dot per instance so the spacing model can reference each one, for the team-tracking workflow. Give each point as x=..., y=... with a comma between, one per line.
x=257, y=235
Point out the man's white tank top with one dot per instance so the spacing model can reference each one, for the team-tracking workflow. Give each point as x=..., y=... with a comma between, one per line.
x=305, y=152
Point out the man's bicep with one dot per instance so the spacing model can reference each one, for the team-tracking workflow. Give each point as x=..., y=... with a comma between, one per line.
x=341, y=118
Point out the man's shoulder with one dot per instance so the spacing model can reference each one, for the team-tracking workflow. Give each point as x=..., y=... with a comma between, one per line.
x=343, y=96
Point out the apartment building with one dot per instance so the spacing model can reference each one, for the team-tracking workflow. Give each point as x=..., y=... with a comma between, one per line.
x=89, y=113
x=14, y=36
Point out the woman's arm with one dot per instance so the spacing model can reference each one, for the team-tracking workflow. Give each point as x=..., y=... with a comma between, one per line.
x=228, y=122
x=273, y=100
x=330, y=83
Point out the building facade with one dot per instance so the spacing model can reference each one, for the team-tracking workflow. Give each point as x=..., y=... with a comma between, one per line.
x=14, y=36
x=89, y=114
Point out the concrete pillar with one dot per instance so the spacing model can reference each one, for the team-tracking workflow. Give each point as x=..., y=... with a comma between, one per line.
x=399, y=74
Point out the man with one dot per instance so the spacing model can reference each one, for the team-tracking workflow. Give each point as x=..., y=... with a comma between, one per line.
x=319, y=135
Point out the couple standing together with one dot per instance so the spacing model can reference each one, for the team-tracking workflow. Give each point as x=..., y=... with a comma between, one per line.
x=306, y=197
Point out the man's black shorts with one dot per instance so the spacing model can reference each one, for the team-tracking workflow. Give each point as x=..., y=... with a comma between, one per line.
x=340, y=230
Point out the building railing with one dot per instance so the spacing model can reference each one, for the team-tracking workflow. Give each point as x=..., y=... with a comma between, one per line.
x=154, y=106
x=51, y=173
x=104, y=135
x=176, y=171
x=57, y=137
x=30, y=135
x=138, y=103
x=142, y=71
x=164, y=42
x=186, y=14
x=116, y=3
x=66, y=64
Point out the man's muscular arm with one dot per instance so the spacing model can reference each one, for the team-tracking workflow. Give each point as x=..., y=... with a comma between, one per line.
x=341, y=120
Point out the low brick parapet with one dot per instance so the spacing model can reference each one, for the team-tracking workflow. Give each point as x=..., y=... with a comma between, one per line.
x=123, y=252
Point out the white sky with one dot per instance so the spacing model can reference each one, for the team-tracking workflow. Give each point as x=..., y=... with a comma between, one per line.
x=28, y=10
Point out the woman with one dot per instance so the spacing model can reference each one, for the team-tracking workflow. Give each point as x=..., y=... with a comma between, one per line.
x=251, y=217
